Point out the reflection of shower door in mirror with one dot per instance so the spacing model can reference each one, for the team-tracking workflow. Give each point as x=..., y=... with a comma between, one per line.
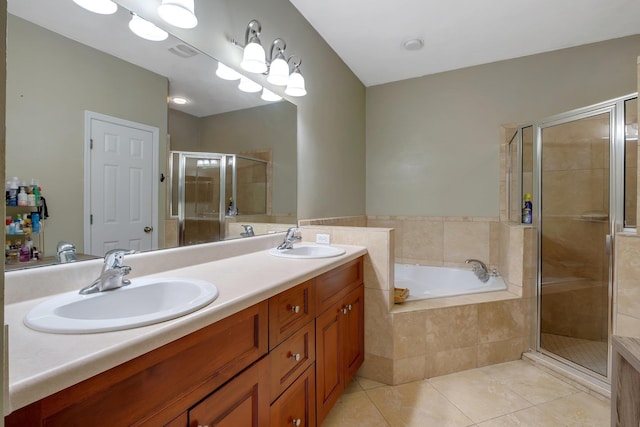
x=575, y=232
x=200, y=198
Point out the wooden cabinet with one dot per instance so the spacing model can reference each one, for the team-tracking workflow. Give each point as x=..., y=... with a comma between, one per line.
x=277, y=363
x=339, y=338
x=155, y=388
x=241, y=402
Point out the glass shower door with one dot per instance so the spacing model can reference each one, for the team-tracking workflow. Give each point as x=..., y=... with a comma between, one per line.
x=199, y=193
x=575, y=230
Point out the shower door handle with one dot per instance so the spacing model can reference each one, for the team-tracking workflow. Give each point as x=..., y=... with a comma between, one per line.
x=608, y=241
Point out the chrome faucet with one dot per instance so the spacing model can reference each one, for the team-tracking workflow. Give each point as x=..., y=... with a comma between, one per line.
x=480, y=269
x=248, y=231
x=289, y=238
x=65, y=252
x=113, y=272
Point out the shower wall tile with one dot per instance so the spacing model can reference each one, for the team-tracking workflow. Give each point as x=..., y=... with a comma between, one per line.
x=627, y=326
x=628, y=285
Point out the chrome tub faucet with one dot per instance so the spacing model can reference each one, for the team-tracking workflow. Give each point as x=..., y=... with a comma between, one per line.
x=480, y=269
x=113, y=272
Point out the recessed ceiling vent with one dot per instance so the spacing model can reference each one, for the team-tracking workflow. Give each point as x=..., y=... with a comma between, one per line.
x=183, y=51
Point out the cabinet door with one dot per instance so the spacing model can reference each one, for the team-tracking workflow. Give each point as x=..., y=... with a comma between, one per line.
x=244, y=401
x=329, y=360
x=354, y=332
x=296, y=407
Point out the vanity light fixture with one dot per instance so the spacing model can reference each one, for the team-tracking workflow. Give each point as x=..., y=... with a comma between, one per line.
x=295, y=86
x=276, y=67
x=103, y=7
x=145, y=29
x=248, y=85
x=267, y=95
x=253, y=57
x=179, y=13
x=227, y=73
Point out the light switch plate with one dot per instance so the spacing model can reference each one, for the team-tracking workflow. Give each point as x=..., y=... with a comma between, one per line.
x=324, y=239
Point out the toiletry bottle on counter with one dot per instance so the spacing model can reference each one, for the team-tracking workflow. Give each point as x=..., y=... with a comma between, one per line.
x=527, y=214
x=23, y=200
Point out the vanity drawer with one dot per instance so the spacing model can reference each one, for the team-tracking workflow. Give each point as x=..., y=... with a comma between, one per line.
x=291, y=358
x=297, y=405
x=289, y=310
x=333, y=285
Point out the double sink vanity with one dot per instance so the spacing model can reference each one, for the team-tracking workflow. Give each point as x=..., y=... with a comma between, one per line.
x=276, y=345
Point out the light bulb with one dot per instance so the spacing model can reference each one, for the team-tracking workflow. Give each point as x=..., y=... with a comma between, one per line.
x=295, y=87
x=227, y=73
x=278, y=71
x=253, y=58
x=103, y=7
x=179, y=13
x=248, y=85
x=146, y=30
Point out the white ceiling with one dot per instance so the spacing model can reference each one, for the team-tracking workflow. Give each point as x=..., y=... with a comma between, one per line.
x=368, y=34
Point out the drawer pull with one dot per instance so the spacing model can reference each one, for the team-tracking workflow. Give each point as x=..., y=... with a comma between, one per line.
x=296, y=422
x=295, y=309
x=346, y=309
x=295, y=356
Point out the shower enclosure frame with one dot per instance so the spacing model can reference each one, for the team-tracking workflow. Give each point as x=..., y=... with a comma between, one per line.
x=225, y=160
x=616, y=111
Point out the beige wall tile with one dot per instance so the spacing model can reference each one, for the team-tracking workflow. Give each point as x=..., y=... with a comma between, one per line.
x=409, y=334
x=627, y=326
x=378, y=331
x=466, y=239
x=377, y=368
x=422, y=241
x=408, y=370
x=449, y=361
x=501, y=320
x=452, y=327
x=501, y=351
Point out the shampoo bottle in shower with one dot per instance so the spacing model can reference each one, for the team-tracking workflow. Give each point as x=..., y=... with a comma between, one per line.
x=527, y=217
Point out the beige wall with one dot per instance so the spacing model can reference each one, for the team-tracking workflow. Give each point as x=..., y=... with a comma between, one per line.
x=433, y=142
x=331, y=132
x=51, y=81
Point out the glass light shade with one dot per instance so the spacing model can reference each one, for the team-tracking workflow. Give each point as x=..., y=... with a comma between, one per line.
x=178, y=100
x=179, y=13
x=295, y=87
x=248, y=85
x=226, y=73
x=267, y=95
x=146, y=30
x=254, y=59
x=278, y=72
x=103, y=7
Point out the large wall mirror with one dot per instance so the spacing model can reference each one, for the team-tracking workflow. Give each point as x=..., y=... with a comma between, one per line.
x=66, y=65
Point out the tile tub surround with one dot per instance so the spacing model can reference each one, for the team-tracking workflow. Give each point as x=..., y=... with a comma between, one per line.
x=41, y=364
x=404, y=342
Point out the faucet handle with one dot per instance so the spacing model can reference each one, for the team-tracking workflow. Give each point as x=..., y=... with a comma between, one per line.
x=114, y=257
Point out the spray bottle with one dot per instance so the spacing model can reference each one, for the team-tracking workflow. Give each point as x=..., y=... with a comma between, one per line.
x=527, y=214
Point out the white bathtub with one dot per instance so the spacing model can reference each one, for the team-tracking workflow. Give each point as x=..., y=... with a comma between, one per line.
x=435, y=282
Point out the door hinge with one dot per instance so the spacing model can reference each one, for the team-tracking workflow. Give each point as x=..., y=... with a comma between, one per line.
x=91, y=219
x=91, y=144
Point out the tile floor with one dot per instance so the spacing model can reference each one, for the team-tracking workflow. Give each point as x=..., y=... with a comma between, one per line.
x=508, y=394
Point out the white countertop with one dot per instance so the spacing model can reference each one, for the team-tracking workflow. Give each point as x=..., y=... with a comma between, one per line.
x=41, y=364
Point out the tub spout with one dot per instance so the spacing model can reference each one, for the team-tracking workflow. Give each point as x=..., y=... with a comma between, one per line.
x=480, y=269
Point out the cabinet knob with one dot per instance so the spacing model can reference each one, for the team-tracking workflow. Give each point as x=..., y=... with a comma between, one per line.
x=296, y=421
x=295, y=356
x=347, y=308
x=295, y=309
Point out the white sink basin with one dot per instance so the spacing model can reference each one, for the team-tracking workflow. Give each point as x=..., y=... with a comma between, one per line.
x=143, y=302
x=307, y=251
